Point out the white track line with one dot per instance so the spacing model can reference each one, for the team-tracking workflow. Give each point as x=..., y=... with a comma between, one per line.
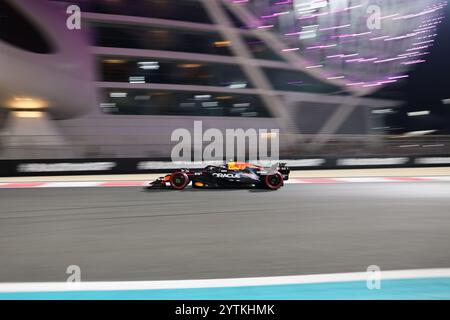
x=218, y=283
x=366, y=180
x=441, y=178
x=70, y=184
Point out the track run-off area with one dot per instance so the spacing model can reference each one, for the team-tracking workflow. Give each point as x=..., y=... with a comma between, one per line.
x=305, y=241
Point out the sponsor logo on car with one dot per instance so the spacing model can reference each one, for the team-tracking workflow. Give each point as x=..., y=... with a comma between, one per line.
x=226, y=175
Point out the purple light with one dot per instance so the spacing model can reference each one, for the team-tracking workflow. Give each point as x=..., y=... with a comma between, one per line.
x=358, y=55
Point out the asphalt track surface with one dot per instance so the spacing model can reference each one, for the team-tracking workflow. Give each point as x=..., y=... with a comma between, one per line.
x=127, y=234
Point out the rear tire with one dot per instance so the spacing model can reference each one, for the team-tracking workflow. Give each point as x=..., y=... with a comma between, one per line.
x=179, y=180
x=273, y=181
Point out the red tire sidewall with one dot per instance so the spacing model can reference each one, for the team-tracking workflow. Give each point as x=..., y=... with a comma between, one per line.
x=269, y=185
x=186, y=178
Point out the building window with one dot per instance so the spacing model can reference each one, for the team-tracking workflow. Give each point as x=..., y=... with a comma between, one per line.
x=157, y=70
x=260, y=50
x=153, y=38
x=183, y=10
x=181, y=103
x=290, y=80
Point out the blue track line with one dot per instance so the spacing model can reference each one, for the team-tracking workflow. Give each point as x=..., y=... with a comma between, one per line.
x=409, y=289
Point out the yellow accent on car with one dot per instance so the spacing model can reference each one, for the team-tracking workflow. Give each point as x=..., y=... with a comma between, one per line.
x=199, y=184
x=232, y=165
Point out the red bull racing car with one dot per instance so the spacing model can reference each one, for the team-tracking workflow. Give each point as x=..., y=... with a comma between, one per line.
x=230, y=175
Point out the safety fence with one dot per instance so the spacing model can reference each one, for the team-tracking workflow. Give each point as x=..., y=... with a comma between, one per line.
x=43, y=167
x=291, y=146
x=46, y=155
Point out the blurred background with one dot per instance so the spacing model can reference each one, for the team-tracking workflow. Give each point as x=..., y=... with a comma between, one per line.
x=348, y=84
x=336, y=77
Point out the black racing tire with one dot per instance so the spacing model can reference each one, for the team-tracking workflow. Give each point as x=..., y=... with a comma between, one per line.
x=273, y=181
x=179, y=180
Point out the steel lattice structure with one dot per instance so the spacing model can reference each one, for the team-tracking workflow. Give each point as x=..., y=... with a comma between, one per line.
x=362, y=44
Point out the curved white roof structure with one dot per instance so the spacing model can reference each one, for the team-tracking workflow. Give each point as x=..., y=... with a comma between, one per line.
x=42, y=65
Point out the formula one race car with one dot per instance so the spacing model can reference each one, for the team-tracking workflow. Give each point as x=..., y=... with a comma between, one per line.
x=230, y=175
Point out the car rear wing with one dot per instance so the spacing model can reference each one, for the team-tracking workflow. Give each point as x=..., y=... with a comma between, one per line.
x=284, y=170
x=281, y=168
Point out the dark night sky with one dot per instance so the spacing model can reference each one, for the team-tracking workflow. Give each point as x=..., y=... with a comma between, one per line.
x=428, y=84
x=430, y=80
